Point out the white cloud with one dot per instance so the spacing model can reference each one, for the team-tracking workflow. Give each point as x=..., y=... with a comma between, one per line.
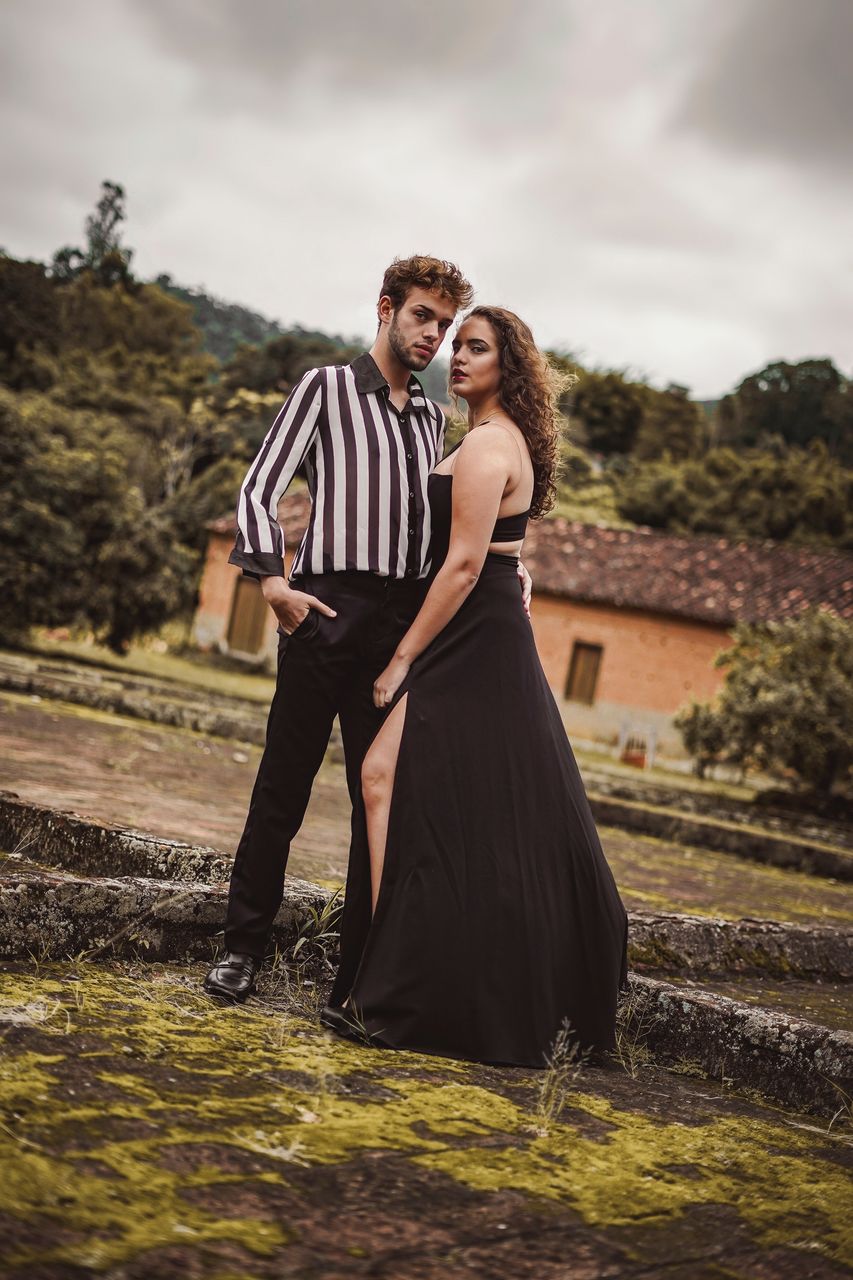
x=569, y=156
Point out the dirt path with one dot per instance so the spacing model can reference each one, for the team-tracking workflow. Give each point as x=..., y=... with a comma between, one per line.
x=181, y=785
x=171, y=782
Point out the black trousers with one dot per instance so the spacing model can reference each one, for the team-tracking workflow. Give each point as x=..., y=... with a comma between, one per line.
x=325, y=668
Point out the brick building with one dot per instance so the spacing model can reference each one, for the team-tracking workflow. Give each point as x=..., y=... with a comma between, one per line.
x=627, y=622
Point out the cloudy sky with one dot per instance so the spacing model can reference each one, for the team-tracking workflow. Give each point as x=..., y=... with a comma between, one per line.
x=659, y=184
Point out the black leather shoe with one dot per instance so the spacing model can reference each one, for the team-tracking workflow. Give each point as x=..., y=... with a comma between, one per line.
x=343, y=1023
x=233, y=977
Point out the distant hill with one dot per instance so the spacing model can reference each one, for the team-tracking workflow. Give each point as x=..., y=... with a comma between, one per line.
x=224, y=325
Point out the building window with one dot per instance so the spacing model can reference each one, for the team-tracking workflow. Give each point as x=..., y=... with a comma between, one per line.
x=247, y=623
x=583, y=672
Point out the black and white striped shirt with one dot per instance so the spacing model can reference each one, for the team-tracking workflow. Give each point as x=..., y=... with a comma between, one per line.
x=366, y=464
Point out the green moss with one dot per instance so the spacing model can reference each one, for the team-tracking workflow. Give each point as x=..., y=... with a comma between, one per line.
x=653, y=953
x=134, y=1093
x=627, y=1175
x=661, y=875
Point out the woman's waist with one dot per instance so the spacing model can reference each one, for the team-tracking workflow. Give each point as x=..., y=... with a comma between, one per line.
x=502, y=558
x=497, y=564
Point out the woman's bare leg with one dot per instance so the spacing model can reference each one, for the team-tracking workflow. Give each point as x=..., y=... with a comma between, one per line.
x=377, y=785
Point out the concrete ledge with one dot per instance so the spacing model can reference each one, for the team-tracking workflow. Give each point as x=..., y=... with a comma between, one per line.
x=210, y=714
x=48, y=835
x=723, y=837
x=658, y=941
x=706, y=944
x=53, y=916
x=788, y=1060
x=797, y=824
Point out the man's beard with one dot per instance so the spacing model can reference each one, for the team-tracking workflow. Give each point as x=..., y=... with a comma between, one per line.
x=408, y=359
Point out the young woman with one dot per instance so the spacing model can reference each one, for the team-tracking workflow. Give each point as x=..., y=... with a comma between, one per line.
x=494, y=920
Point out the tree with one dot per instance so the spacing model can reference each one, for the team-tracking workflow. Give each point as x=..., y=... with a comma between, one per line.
x=78, y=543
x=787, y=702
x=671, y=424
x=703, y=733
x=281, y=362
x=96, y=317
x=609, y=410
x=799, y=402
x=29, y=325
x=104, y=255
x=791, y=495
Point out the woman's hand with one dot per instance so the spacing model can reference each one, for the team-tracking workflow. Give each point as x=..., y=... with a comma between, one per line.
x=526, y=587
x=389, y=682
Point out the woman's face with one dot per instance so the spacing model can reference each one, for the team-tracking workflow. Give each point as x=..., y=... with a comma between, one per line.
x=475, y=366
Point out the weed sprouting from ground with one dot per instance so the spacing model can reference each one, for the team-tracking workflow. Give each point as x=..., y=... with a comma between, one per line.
x=319, y=935
x=292, y=988
x=634, y=1022
x=565, y=1062
x=26, y=842
x=297, y=977
x=844, y=1113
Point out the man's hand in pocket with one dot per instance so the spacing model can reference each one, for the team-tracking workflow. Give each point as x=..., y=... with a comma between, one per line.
x=289, y=606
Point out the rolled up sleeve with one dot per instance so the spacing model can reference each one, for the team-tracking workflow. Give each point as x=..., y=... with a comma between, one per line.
x=259, y=546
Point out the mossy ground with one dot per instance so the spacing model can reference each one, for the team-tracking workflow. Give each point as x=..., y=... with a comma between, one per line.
x=661, y=876
x=147, y=1132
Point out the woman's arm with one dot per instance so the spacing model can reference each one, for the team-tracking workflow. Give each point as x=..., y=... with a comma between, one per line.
x=486, y=464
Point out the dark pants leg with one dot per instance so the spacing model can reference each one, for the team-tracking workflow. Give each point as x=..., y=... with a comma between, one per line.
x=326, y=667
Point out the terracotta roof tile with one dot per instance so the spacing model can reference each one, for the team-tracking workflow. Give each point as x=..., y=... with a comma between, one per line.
x=709, y=580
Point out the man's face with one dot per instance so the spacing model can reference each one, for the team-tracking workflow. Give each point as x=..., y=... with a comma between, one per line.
x=416, y=329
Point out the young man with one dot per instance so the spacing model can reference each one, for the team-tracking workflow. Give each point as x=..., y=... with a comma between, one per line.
x=366, y=437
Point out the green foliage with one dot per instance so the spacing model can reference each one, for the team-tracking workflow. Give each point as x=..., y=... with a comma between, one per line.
x=77, y=544
x=281, y=362
x=787, y=702
x=98, y=317
x=702, y=731
x=615, y=416
x=113, y=460
x=795, y=495
x=672, y=424
x=29, y=325
x=801, y=402
x=608, y=409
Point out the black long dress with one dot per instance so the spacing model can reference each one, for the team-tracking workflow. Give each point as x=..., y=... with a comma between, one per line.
x=498, y=919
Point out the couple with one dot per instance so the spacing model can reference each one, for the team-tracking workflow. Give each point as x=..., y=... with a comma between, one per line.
x=480, y=914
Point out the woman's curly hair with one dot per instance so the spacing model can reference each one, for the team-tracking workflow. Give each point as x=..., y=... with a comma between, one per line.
x=529, y=391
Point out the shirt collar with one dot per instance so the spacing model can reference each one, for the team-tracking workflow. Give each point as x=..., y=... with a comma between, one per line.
x=369, y=377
